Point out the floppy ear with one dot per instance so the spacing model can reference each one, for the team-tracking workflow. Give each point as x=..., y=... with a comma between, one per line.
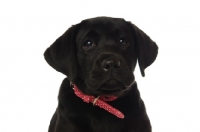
x=146, y=49
x=61, y=55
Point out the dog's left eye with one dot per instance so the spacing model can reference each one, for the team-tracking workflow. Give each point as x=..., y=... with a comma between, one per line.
x=88, y=44
x=123, y=42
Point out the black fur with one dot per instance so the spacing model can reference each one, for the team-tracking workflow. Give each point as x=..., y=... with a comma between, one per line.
x=99, y=55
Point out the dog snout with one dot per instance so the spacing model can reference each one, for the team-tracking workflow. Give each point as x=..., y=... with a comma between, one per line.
x=110, y=64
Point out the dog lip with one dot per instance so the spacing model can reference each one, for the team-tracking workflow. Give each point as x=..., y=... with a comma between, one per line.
x=111, y=85
x=111, y=89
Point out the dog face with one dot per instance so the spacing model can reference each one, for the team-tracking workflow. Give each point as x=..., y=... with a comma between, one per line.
x=99, y=55
x=104, y=50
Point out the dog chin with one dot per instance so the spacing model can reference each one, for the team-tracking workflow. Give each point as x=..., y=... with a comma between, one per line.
x=112, y=87
x=109, y=87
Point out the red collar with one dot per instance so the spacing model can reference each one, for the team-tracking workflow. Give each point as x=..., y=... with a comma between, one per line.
x=99, y=101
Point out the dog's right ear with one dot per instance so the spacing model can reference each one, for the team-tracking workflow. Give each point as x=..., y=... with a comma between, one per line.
x=61, y=55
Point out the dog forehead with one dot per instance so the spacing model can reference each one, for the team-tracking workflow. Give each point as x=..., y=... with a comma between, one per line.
x=103, y=20
x=103, y=25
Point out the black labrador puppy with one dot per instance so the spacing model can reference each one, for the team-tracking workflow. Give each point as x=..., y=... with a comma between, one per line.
x=100, y=93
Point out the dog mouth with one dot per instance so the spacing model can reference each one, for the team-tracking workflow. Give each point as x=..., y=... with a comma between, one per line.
x=109, y=87
x=112, y=86
x=115, y=84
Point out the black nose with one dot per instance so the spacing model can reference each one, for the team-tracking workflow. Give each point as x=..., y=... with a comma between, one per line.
x=108, y=65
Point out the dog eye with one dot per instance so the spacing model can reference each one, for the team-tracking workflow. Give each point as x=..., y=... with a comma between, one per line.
x=123, y=42
x=88, y=44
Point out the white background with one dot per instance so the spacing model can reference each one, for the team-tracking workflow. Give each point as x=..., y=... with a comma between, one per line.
x=29, y=87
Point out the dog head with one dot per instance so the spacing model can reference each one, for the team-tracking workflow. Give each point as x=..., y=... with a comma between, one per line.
x=99, y=55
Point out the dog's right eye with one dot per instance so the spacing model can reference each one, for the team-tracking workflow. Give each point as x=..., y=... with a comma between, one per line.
x=88, y=44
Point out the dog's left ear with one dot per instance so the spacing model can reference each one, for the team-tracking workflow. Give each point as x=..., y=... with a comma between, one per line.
x=61, y=55
x=146, y=49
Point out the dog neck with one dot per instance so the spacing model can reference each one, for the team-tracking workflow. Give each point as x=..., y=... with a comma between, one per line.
x=99, y=101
